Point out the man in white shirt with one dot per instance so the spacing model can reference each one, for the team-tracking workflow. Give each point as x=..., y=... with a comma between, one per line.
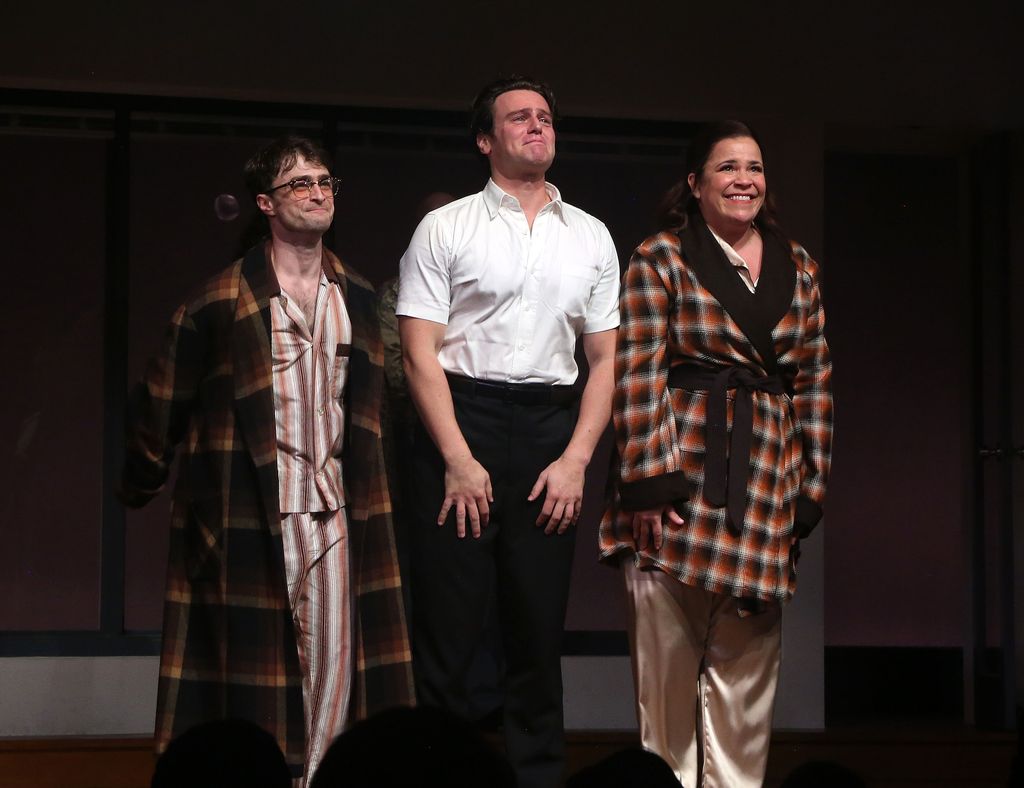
x=495, y=290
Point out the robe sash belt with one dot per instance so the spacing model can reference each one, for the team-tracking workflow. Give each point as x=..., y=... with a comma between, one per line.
x=725, y=481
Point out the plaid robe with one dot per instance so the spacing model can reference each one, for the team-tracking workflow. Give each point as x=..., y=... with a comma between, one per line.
x=229, y=645
x=684, y=303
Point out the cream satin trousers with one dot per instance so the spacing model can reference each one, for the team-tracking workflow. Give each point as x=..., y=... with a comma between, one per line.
x=705, y=679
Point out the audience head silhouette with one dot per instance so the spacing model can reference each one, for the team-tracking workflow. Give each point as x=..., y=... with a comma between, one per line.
x=405, y=748
x=223, y=754
x=632, y=768
x=818, y=774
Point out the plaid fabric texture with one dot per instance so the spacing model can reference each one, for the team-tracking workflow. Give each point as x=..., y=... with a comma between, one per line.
x=670, y=316
x=229, y=645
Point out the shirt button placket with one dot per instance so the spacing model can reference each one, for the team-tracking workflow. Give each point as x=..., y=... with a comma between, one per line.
x=525, y=328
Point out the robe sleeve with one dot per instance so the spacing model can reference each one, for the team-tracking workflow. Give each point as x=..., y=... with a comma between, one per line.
x=650, y=470
x=812, y=401
x=159, y=411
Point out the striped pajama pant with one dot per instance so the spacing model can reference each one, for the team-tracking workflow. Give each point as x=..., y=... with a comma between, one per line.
x=316, y=558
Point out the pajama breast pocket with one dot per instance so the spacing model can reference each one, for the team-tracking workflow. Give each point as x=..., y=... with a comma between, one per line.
x=339, y=369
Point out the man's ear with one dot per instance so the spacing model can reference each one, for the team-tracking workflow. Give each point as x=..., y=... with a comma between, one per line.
x=265, y=204
x=483, y=143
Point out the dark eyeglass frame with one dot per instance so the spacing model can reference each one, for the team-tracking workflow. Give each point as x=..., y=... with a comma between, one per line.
x=303, y=187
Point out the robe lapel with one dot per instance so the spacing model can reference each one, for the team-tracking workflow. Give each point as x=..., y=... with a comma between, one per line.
x=755, y=313
x=253, y=378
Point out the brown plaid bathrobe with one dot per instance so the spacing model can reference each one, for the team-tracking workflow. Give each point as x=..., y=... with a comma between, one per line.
x=684, y=304
x=229, y=646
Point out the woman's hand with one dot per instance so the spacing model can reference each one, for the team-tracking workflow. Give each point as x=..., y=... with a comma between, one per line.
x=647, y=525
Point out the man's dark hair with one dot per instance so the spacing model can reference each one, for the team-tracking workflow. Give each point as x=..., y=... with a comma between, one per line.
x=281, y=154
x=679, y=204
x=481, y=121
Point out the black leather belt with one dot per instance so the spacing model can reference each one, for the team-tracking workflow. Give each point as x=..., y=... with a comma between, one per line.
x=725, y=481
x=518, y=393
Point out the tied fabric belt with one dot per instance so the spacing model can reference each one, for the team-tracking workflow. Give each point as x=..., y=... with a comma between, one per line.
x=727, y=486
x=518, y=393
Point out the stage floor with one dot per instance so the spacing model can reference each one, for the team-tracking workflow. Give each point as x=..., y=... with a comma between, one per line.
x=887, y=754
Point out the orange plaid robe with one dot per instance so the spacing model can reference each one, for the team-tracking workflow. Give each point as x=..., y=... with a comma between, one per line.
x=683, y=303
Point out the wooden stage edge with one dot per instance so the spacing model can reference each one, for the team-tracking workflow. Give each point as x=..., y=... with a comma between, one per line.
x=886, y=756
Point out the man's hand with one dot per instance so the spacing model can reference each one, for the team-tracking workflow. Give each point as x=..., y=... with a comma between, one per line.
x=647, y=526
x=564, y=482
x=467, y=487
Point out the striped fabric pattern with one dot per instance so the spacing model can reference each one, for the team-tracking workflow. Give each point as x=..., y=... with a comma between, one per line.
x=310, y=365
x=310, y=370
x=669, y=317
x=316, y=562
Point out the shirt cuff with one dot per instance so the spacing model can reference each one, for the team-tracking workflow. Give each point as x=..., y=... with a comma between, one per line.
x=808, y=514
x=654, y=492
x=601, y=325
x=422, y=311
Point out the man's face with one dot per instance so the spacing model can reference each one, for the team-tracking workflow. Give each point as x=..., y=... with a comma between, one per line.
x=291, y=216
x=522, y=142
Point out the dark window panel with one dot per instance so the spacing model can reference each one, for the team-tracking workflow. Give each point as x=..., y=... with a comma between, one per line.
x=53, y=208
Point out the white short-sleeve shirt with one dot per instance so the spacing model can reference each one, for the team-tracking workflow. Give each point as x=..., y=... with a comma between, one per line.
x=513, y=300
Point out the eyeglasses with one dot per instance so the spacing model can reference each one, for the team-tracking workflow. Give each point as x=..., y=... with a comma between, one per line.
x=303, y=187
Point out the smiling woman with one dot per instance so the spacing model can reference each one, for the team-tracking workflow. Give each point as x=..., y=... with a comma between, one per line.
x=708, y=514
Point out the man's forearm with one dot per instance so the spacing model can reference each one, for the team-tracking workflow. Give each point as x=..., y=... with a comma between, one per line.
x=433, y=399
x=595, y=413
x=467, y=486
x=596, y=402
x=429, y=387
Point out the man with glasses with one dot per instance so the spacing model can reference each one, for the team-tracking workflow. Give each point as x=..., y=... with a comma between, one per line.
x=496, y=288
x=283, y=602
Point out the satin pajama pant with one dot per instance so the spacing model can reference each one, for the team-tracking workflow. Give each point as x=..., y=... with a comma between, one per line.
x=705, y=679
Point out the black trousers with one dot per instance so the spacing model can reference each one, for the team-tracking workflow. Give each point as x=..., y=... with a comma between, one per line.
x=452, y=578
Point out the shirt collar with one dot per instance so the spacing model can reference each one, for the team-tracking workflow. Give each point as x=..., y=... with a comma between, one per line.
x=731, y=254
x=495, y=197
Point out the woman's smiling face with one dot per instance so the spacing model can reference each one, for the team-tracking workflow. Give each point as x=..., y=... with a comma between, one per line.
x=731, y=187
